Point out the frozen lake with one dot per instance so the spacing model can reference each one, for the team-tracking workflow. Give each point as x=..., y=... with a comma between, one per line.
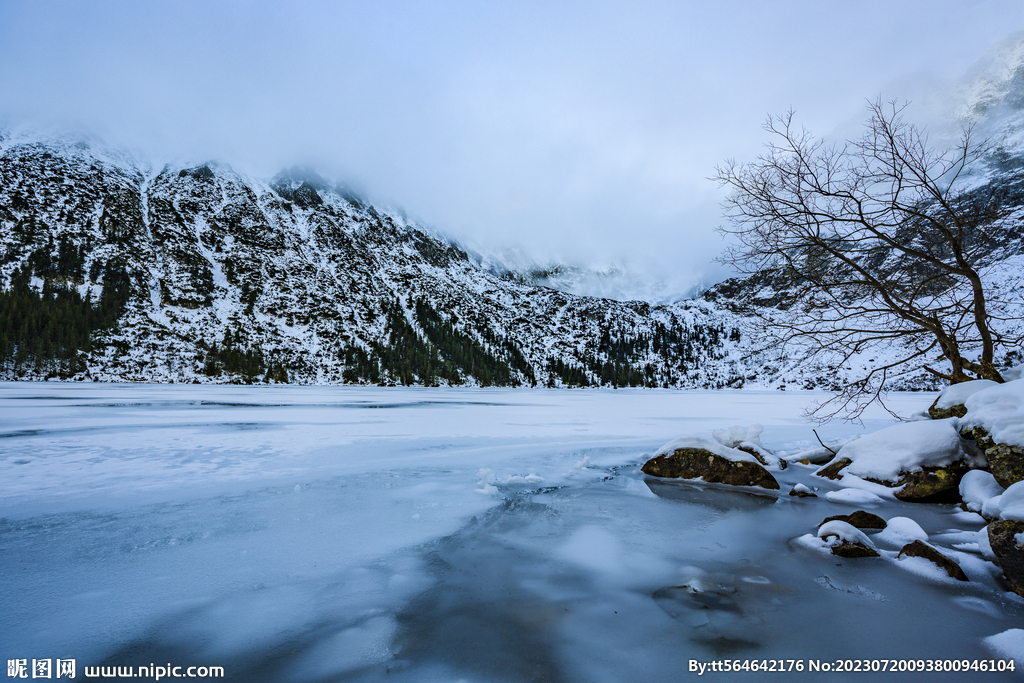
x=411, y=534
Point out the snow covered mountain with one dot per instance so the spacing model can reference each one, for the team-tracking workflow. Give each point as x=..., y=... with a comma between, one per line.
x=203, y=274
x=113, y=270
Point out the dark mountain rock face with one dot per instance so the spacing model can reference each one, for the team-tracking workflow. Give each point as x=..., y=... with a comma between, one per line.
x=201, y=274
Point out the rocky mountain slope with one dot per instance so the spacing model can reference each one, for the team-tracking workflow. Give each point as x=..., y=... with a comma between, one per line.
x=113, y=270
x=202, y=274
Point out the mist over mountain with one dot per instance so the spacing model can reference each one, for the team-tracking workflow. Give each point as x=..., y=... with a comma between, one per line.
x=118, y=264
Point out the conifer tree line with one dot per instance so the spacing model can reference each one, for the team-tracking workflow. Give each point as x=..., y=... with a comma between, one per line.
x=622, y=359
x=49, y=332
x=443, y=352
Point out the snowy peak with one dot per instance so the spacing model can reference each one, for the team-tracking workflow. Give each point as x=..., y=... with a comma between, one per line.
x=992, y=95
x=207, y=275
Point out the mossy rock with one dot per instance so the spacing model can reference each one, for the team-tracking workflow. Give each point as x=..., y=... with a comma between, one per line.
x=697, y=463
x=959, y=410
x=832, y=471
x=922, y=549
x=1009, y=553
x=1005, y=462
x=933, y=484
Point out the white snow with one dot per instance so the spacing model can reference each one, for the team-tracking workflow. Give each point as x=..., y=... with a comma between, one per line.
x=956, y=394
x=904, y=447
x=707, y=445
x=842, y=531
x=1008, y=645
x=978, y=487
x=900, y=531
x=1016, y=372
x=734, y=436
x=1011, y=503
x=851, y=496
x=1000, y=411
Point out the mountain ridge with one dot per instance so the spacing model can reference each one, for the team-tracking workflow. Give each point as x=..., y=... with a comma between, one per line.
x=309, y=281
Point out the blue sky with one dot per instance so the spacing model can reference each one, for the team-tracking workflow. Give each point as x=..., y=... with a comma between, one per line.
x=575, y=131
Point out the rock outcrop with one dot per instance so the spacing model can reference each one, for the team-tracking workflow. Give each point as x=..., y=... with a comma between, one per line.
x=933, y=484
x=1005, y=461
x=1005, y=537
x=698, y=463
x=859, y=519
x=832, y=470
x=922, y=549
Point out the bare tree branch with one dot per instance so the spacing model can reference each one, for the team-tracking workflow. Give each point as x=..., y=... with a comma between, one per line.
x=877, y=241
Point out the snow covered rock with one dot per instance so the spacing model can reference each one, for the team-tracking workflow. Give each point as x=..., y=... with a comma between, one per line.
x=995, y=418
x=950, y=402
x=859, y=519
x=924, y=460
x=922, y=549
x=1011, y=503
x=801, y=491
x=1006, y=538
x=902, y=530
x=748, y=440
x=846, y=540
x=977, y=488
x=710, y=461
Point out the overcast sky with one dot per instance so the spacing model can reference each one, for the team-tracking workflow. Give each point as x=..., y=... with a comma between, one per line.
x=580, y=131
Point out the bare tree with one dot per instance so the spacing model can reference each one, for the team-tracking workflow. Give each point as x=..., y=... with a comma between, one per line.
x=880, y=240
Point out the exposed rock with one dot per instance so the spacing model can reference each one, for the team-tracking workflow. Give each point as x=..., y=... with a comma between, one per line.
x=802, y=492
x=859, y=519
x=921, y=549
x=935, y=413
x=1009, y=551
x=851, y=549
x=746, y=448
x=306, y=196
x=846, y=540
x=693, y=463
x=832, y=471
x=1005, y=462
x=933, y=484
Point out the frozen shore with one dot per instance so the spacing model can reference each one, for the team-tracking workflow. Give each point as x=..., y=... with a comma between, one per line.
x=412, y=534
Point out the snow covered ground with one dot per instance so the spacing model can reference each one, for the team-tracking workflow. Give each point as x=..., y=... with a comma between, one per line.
x=413, y=534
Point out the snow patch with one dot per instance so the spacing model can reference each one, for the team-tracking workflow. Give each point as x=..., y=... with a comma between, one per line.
x=900, y=531
x=977, y=488
x=1011, y=503
x=711, y=445
x=1008, y=644
x=956, y=394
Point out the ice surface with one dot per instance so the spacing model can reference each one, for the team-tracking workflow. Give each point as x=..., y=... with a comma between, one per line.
x=904, y=447
x=331, y=533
